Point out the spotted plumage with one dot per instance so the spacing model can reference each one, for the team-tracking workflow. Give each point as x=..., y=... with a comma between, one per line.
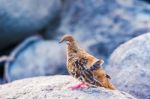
x=84, y=74
x=84, y=66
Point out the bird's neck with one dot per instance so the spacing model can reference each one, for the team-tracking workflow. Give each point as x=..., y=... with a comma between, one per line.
x=72, y=48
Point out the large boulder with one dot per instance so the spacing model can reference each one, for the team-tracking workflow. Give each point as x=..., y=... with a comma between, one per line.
x=101, y=25
x=19, y=19
x=55, y=87
x=35, y=57
x=130, y=66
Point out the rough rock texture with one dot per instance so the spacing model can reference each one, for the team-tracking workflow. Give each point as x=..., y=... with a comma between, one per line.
x=36, y=57
x=102, y=25
x=55, y=87
x=130, y=66
x=25, y=17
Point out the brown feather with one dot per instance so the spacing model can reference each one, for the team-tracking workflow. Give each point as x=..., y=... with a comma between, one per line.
x=79, y=64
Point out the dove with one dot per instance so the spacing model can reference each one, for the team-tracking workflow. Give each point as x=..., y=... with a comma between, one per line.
x=84, y=66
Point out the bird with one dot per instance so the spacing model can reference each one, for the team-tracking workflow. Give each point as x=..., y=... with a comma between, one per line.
x=84, y=66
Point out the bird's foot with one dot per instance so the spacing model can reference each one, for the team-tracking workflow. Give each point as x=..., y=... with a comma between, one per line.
x=81, y=85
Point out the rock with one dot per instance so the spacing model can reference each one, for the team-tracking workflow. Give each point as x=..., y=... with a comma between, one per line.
x=102, y=25
x=24, y=18
x=55, y=87
x=36, y=57
x=130, y=66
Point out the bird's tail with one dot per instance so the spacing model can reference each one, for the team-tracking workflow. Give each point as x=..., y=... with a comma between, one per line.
x=111, y=86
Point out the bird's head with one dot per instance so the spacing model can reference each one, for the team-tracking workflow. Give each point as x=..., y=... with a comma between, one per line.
x=67, y=38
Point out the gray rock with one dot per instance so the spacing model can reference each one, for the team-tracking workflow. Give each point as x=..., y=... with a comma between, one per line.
x=19, y=19
x=55, y=87
x=130, y=66
x=36, y=57
x=102, y=25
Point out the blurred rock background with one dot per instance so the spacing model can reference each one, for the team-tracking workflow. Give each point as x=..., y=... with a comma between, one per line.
x=131, y=66
x=56, y=87
x=30, y=31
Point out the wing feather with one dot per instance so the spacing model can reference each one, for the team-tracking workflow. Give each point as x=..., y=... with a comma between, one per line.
x=85, y=74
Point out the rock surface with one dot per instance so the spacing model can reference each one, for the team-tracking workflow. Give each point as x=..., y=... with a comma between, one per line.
x=101, y=25
x=25, y=17
x=55, y=87
x=36, y=57
x=130, y=66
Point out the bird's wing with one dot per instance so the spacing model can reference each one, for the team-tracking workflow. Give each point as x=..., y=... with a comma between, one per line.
x=85, y=74
x=91, y=60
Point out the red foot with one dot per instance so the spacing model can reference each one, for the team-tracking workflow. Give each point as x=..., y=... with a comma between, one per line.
x=81, y=85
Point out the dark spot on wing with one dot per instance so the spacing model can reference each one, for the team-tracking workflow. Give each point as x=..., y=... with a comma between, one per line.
x=108, y=76
x=84, y=74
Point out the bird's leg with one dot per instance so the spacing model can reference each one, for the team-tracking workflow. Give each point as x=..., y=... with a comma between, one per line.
x=85, y=85
x=80, y=85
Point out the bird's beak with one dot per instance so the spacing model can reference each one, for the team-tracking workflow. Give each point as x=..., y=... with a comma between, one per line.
x=62, y=40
